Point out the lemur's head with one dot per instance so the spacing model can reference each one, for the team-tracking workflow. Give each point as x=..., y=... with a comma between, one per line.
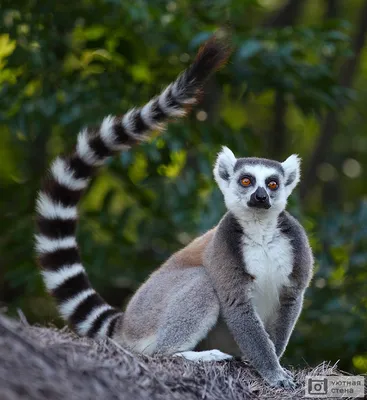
x=256, y=184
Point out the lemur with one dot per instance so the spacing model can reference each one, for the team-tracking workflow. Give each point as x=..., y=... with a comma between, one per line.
x=245, y=278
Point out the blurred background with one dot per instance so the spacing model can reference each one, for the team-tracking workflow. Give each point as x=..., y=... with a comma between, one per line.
x=296, y=83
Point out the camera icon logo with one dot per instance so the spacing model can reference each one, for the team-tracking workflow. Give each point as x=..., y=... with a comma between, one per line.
x=317, y=386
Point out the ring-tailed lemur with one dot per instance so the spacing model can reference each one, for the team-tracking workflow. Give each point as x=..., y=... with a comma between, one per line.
x=245, y=277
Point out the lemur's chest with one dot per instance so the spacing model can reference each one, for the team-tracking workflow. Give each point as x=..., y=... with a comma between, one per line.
x=271, y=264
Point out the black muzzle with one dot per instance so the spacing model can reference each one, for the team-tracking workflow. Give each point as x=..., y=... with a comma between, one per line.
x=259, y=199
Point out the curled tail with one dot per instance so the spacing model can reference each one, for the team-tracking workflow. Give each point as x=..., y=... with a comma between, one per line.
x=57, y=215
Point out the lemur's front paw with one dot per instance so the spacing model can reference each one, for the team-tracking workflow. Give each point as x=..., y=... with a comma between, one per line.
x=286, y=383
x=281, y=379
x=289, y=373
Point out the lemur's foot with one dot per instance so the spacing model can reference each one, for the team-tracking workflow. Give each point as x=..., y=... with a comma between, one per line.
x=208, y=355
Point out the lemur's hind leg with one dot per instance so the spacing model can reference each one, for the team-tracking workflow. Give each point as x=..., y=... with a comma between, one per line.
x=191, y=313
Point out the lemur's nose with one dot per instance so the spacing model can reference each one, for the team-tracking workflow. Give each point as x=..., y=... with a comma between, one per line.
x=261, y=195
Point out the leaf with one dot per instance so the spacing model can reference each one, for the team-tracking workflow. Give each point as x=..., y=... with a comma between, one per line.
x=234, y=115
x=250, y=48
x=338, y=35
x=7, y=46
x=141, y=73
x=199, y=39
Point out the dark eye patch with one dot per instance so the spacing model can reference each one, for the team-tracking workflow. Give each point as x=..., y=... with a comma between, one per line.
x=248, y=176
x=272, y=178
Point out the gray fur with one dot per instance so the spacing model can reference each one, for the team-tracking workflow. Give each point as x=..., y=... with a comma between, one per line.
x=260, y=338
x=291, y=298
x=176, y=308
x=209, y=293
x=285, y=319
x=290, y=179
x=303, y=260
x=233, y=286
x=182, y=332
x=241, y=162
x=206, y=295
x=224, y=174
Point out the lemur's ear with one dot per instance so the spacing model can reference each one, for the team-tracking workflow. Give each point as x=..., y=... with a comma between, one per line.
x=224, y=166
x=292, y=170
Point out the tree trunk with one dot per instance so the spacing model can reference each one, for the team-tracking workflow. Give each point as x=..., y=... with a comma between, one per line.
x=286, y=15
x=332, y=7
x=330, y=125
x=277, y=135
x=276, y=140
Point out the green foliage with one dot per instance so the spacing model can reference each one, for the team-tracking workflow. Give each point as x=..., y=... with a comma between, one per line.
x=292, y=60
x=63, y=66
x=334, y=318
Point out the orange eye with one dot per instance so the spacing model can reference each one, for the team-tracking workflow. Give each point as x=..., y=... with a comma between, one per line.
x=272, y=185
x=245, y=181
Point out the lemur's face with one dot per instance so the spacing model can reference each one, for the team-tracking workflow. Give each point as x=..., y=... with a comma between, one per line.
x=255, y=184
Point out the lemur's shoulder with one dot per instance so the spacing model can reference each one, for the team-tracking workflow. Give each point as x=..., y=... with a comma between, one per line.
x=302, y=252
x=292, y=228
x=192, y=255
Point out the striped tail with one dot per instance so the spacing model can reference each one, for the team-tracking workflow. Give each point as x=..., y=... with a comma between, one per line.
x=57, y=215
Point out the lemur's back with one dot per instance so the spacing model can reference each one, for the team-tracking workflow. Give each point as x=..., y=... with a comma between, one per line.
x=192, y=254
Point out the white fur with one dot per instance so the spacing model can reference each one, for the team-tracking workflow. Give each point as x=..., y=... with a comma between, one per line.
x=85, y=152
x=146, y=114
x=104, y=328
x=65, y=177
x=236, y=200
x=54, y=279
x=261, y=172
x=145, y=346
x=173, y=112
x=238, y=203
x=226, y=161
x=128, y=124
x=69, y=306
x=239, y=206
x=207, y=355
x=47, y=245
x=108, y=135
x=49, y=209
x=292, y=165
x=268, y=256
x=87, y=323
